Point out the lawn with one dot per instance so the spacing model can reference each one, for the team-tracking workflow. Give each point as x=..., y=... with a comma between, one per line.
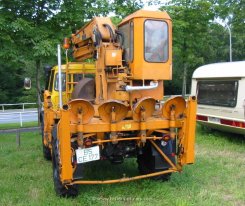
x=217, y=177
x=17, y=125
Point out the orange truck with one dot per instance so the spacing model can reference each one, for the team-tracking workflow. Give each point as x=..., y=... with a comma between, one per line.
x=112, y=109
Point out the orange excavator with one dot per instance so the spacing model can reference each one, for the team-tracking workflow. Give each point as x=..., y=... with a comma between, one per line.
x=115, y=109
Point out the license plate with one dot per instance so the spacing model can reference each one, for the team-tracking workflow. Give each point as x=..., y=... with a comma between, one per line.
x=88, y=154
x=214, y=120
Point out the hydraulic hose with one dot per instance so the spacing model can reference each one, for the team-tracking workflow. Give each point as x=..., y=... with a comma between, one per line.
x=111, y=31
x=121, y=36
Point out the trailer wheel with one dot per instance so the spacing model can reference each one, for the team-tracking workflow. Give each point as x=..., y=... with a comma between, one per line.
x=144, y=169
x=60, y=189
x=46, y=150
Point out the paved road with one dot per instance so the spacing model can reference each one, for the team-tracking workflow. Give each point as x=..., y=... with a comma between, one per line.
x=16, y=115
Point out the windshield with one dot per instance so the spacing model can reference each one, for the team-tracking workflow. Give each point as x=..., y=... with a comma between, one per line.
x=156, y=41
x=217, y=93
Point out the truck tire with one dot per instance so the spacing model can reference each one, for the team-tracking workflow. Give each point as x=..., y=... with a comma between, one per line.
x=60, y=189
x=46, y=153
x=46, y=150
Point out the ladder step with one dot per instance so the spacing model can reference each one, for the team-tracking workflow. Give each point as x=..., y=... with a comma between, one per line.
x=71, y=82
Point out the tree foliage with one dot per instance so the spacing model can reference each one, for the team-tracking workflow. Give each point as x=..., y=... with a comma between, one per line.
x=198, y=39
x=28, y=36
x=30, y=31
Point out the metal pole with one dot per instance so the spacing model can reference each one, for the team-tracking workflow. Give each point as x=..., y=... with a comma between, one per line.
x=184, y=82
x=59, y=74
x=21, y=123
x=229, y=30
x=18, y=137
x=230, y=41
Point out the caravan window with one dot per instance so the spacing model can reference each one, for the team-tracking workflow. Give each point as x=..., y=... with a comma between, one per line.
x=217, y=93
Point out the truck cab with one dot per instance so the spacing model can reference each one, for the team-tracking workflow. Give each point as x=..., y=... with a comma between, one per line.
x=76, y=72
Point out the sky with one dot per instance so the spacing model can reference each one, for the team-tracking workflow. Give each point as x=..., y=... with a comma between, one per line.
x=146, y=7
x=153, y=7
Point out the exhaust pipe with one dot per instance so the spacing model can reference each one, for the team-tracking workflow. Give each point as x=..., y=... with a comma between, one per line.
x=59, y=75
x=153, y=85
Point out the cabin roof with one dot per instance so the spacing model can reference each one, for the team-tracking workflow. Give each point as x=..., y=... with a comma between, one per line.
x=220, y=70
x=146, y=14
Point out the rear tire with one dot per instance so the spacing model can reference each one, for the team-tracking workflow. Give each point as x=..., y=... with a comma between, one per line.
x=60, y=189
x=46, y=153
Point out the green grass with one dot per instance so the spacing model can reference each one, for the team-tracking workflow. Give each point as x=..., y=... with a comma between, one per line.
x=217, y=177
x=17, y=125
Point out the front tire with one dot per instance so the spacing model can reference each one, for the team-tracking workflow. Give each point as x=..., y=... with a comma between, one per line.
x=46, y=149
x=60, y=189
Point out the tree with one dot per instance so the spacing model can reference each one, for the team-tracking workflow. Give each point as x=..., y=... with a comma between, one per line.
x=232, y=12
x=29, y=31
x=198, y=40
x=190, y=30
x=123, y=8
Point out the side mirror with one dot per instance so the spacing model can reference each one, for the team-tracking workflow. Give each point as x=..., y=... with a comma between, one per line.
x=27, y=83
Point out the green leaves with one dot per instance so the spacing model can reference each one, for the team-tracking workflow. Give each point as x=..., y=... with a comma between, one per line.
x=30, y=31
x=21, y=25
x=197, y=40
x=44, y=48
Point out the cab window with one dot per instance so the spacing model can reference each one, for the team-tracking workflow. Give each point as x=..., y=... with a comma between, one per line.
x=156, y=41
x=63, y=82
x=128, y=43
x=77, y=77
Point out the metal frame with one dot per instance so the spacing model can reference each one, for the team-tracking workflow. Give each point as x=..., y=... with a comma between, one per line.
x=173, y=168
x=185, y=136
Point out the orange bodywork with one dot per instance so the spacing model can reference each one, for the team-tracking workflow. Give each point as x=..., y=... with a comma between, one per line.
x=186, y=137
x=129, y=79
x=141, y=69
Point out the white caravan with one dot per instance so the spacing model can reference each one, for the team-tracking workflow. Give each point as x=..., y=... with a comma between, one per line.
x=220, y=91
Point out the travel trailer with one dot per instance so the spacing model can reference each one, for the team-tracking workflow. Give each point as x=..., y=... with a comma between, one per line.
x=220, y=91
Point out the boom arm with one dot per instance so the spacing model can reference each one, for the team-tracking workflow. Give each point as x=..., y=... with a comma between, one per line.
x=89, y=38
x=131, y=62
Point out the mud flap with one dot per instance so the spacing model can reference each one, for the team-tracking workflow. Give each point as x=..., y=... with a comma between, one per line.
x=78, y=173
x=153, y=160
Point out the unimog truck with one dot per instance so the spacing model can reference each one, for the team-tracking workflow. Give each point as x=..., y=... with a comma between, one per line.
x=113, y=109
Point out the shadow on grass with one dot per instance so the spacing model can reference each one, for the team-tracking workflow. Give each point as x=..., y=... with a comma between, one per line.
x=92, y=170
x=104, y=170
